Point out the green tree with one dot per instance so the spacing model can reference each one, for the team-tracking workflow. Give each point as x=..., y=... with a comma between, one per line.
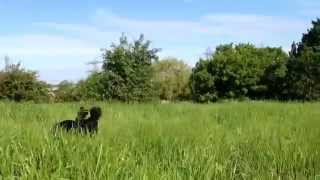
x=92, y=88
x=203, y=83
x=127, y=70
x=19, y=84
x=312, y=37
x=171, y=77
x=236, y=71
x=303, y=77
x=273, y=81
x=66, y=91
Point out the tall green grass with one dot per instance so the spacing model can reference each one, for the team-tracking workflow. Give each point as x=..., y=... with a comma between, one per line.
x=248, y=140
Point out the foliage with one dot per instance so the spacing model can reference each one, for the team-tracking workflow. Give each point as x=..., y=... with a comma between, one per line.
x=303, y=76
x=312, y=37
x=274, y=73
x=87, y=89
x=171, y=77
x=237, y=71
x=127, y=70
x=92, y=87
x=66, y=91
x=19, y=84
x=203, y=83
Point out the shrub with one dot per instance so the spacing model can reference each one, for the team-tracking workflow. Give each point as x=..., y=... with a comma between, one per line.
x=18, y=84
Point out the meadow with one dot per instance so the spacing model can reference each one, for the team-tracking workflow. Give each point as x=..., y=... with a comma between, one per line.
x=231, y=140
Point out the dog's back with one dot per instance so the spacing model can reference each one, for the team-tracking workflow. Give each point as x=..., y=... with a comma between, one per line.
x=66, y=125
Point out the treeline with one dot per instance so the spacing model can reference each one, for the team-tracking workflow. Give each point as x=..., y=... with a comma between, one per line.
x=132, y=71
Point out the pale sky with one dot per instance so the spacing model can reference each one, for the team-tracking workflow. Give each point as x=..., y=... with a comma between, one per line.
x=58, y=38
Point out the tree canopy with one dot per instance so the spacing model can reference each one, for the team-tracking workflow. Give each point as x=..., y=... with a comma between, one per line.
x=303, y=77
x=127, y=70
x=171, y=77
x=235, y=71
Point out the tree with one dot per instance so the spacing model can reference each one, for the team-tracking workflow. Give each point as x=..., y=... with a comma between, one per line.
x=127, y=70
x=66, y=91
x=19, y=84
x=273, y=79
x=171, y=77
x=236, y=71
x=203, y=83
x=312, y=37
x=92, y=88
x=303, y=77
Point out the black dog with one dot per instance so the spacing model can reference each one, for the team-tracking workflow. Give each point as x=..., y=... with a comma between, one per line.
x=82, y=124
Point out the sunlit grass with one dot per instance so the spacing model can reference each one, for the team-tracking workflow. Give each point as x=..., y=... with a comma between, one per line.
x=248, y=140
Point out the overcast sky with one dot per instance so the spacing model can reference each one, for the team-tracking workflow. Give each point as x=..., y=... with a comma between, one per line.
x=57, y=38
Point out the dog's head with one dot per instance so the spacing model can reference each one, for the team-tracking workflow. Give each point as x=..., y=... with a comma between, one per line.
x=95, y=113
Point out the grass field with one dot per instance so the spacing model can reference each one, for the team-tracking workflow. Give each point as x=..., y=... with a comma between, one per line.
x=247, y=140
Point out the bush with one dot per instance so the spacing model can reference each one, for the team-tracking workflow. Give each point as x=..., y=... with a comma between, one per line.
x=18, y=84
